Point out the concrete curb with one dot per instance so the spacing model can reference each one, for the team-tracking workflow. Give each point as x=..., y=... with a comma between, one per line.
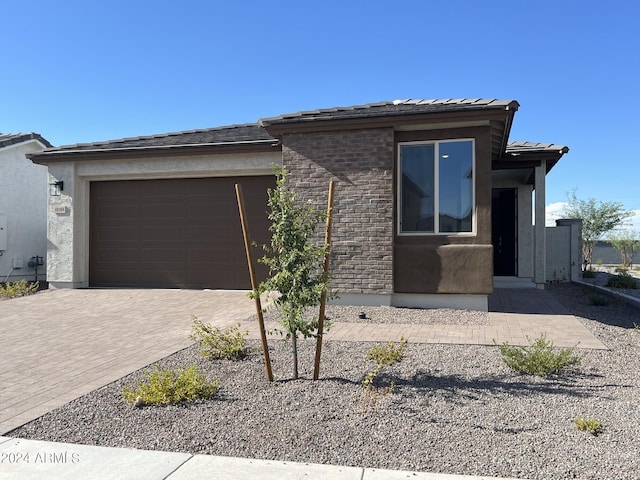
x=632, y=301
x=34, y=459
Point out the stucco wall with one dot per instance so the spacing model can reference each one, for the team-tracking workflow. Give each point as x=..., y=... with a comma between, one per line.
x=23, y=200
x=457, y=263
x=564, y=251
x=68, y=215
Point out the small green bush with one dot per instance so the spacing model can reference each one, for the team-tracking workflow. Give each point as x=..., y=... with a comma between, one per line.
x=599, y=300
x=622, y=280
x=594, y=427
x=540, y=358
x=20, y=288
x=229, y=343
x=383, y=355
x=387, y=354
x=164, y=386
x=589, y=274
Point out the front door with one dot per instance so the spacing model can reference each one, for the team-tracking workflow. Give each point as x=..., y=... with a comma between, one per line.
x=504, y=221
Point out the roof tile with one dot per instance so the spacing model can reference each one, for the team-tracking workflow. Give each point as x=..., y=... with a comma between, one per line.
x=7, y=139
x=406, y=106
x=233, y=134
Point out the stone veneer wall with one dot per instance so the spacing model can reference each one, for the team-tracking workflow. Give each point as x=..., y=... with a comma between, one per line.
x=361, y=163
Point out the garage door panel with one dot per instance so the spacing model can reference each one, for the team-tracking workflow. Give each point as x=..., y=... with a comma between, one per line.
x=178, y=233
x=118, y=233
x=118, y=254
x=169, y=232
x=163, y=211
x=159, y=255
x=119, y=211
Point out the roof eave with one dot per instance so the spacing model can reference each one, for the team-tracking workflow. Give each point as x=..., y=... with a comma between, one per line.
x=53, y=156
x=301, y=125
x=530, y=158
x=24, y=138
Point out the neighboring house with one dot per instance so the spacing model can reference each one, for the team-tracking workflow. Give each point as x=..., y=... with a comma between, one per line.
x=431, y=201
x=23, y=207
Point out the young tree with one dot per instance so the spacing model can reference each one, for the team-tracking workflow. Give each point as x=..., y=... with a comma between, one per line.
x=627, y=243
x=597, y=217
x=295, y=262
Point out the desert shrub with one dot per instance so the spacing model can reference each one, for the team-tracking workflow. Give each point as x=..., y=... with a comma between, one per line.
x=383, y=355
x=164, y=386
x=540, y=358
x=229, y=343
x=387, y=354
x=599, y=300
x=594, y=427
x=20, y=288
x=622, y=280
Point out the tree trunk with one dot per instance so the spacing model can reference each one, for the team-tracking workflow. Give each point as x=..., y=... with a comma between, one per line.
x=294, y=351
x=587, y=252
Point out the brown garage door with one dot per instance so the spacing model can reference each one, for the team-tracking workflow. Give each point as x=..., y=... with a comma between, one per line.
x=178, y=233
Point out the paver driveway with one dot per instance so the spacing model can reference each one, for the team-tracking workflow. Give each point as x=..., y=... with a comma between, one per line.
x=60, y=344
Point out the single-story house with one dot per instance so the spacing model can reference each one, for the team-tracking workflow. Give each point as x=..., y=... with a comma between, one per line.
x=432, y=201
x=23, y=208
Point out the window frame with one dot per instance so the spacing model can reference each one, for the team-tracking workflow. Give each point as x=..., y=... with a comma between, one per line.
x=436, y=185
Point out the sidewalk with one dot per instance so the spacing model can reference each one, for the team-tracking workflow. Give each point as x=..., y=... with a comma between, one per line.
x=35, y=460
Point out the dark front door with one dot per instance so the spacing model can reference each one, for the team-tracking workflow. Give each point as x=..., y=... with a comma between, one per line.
x=504, y=216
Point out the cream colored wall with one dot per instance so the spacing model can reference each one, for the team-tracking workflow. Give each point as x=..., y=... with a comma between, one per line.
x=68, y=232
x=23, y=200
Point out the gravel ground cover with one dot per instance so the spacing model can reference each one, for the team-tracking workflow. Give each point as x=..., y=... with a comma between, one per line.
x=603, y=276
x=439, y=316
x=454, y=409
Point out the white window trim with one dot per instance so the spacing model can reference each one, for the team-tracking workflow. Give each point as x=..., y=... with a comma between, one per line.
x=436, y=190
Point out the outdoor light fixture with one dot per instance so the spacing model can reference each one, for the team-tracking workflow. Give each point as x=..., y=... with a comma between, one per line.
x=55, y=189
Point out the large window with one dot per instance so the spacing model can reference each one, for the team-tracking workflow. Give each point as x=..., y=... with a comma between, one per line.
x=436, y=193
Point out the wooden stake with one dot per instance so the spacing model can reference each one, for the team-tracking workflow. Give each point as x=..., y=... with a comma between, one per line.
x=254, y=286
x=323, y=299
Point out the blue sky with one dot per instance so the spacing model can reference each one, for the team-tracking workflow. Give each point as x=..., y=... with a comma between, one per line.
x=77, y=71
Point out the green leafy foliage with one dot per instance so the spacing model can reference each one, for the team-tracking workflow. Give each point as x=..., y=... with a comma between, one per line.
x=294, y=261
x=387, y=354
x=622, y=280
x=540, y=358
x=383, y=355
x=20, y=288
x=229, y=343
x=594, y=427
x=589, y=273
x=627, y=243
x=164, y=386
x=597, y=218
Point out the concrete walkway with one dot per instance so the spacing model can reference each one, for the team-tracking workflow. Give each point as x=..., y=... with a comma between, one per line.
x=516, y=316
x=35, y=460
